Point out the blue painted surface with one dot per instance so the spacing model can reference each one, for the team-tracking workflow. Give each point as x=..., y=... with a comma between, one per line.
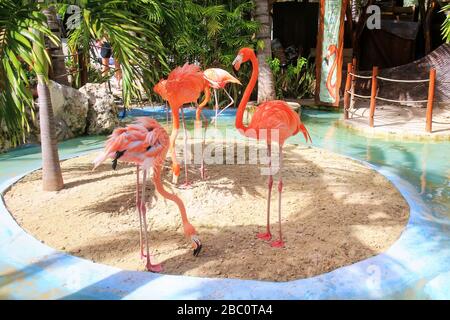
x=416, y=266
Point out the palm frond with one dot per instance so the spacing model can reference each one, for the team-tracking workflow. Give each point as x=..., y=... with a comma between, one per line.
x=17, y=58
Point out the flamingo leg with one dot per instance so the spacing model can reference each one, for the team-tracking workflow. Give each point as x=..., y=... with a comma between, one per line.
x=216, y=107
x=167, y=115
x=138, y=209
x=175, y=165
x=150, y=267
x=186, y=183
x=267, y=235
x=279, y=243
x=229, y=105
x=202, y=167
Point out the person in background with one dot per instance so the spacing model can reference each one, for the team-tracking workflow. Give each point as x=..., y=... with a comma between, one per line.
x=106, y=53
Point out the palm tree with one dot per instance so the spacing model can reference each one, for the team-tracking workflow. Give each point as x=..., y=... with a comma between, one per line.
x=52, y=179
x=266, y=86
x=22, y=47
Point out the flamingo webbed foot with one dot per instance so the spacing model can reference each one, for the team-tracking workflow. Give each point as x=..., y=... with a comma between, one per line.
x=267, y=236
x=277, y=244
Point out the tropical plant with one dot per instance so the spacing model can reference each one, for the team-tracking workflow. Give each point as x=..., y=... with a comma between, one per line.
x=446, y=25
x=18, y=57
x=295, y=81
x=209, y=32
x=22, y=46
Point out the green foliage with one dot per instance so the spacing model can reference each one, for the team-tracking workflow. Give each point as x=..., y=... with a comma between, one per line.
x=21, y=50
x=132, y=29
x=210, y=33
x=295, y=81
x=446, y=24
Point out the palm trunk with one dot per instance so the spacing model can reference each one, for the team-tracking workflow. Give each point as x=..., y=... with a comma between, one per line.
x=266, y=87
x=58, y=69
x=51, y=171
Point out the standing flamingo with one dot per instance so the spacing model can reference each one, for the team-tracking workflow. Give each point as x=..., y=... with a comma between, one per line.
x=183, y=85
x=145, y=143
x=269, y=116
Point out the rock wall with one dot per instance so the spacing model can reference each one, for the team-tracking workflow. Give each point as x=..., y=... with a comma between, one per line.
x=70, y=107
x=102, y=113
x=88, y=111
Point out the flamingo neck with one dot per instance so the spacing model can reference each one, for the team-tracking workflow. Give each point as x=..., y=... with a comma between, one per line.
x=175, y=118
x=247, y=93
x=206, y=99
x=172, y=197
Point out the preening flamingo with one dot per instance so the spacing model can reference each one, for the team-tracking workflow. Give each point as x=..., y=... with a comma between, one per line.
x=183, y=85
x=269, y=116
x=216, y=79
x=145, y=143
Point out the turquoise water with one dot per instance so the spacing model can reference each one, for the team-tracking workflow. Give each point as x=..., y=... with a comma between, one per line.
x=416, y=266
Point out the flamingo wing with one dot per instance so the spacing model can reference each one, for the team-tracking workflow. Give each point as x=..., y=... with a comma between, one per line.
x=161, y=89
x=137, y=143
x=184, y=85
x=275, y=115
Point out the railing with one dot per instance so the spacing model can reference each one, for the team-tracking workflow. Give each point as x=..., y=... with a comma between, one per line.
x=349, y=97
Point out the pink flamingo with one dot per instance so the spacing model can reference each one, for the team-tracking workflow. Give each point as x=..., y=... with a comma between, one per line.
x=216, y=79
x=269, y=116
x=145, y=143
x=183, y=85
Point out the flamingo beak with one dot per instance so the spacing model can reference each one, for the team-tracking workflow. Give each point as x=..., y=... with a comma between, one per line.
x=197, y=244
x=237, y=62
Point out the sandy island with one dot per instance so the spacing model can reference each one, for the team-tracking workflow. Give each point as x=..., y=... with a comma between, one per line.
x=336, y=212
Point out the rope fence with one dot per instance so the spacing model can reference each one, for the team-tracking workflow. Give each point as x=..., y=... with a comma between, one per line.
x=402, y=81
x=350, y=95
x=360, y=76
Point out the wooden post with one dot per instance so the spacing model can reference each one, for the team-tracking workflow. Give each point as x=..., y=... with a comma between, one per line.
x=348, y=85
x=430, y=103
x=373, y=100
x=353, y=85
